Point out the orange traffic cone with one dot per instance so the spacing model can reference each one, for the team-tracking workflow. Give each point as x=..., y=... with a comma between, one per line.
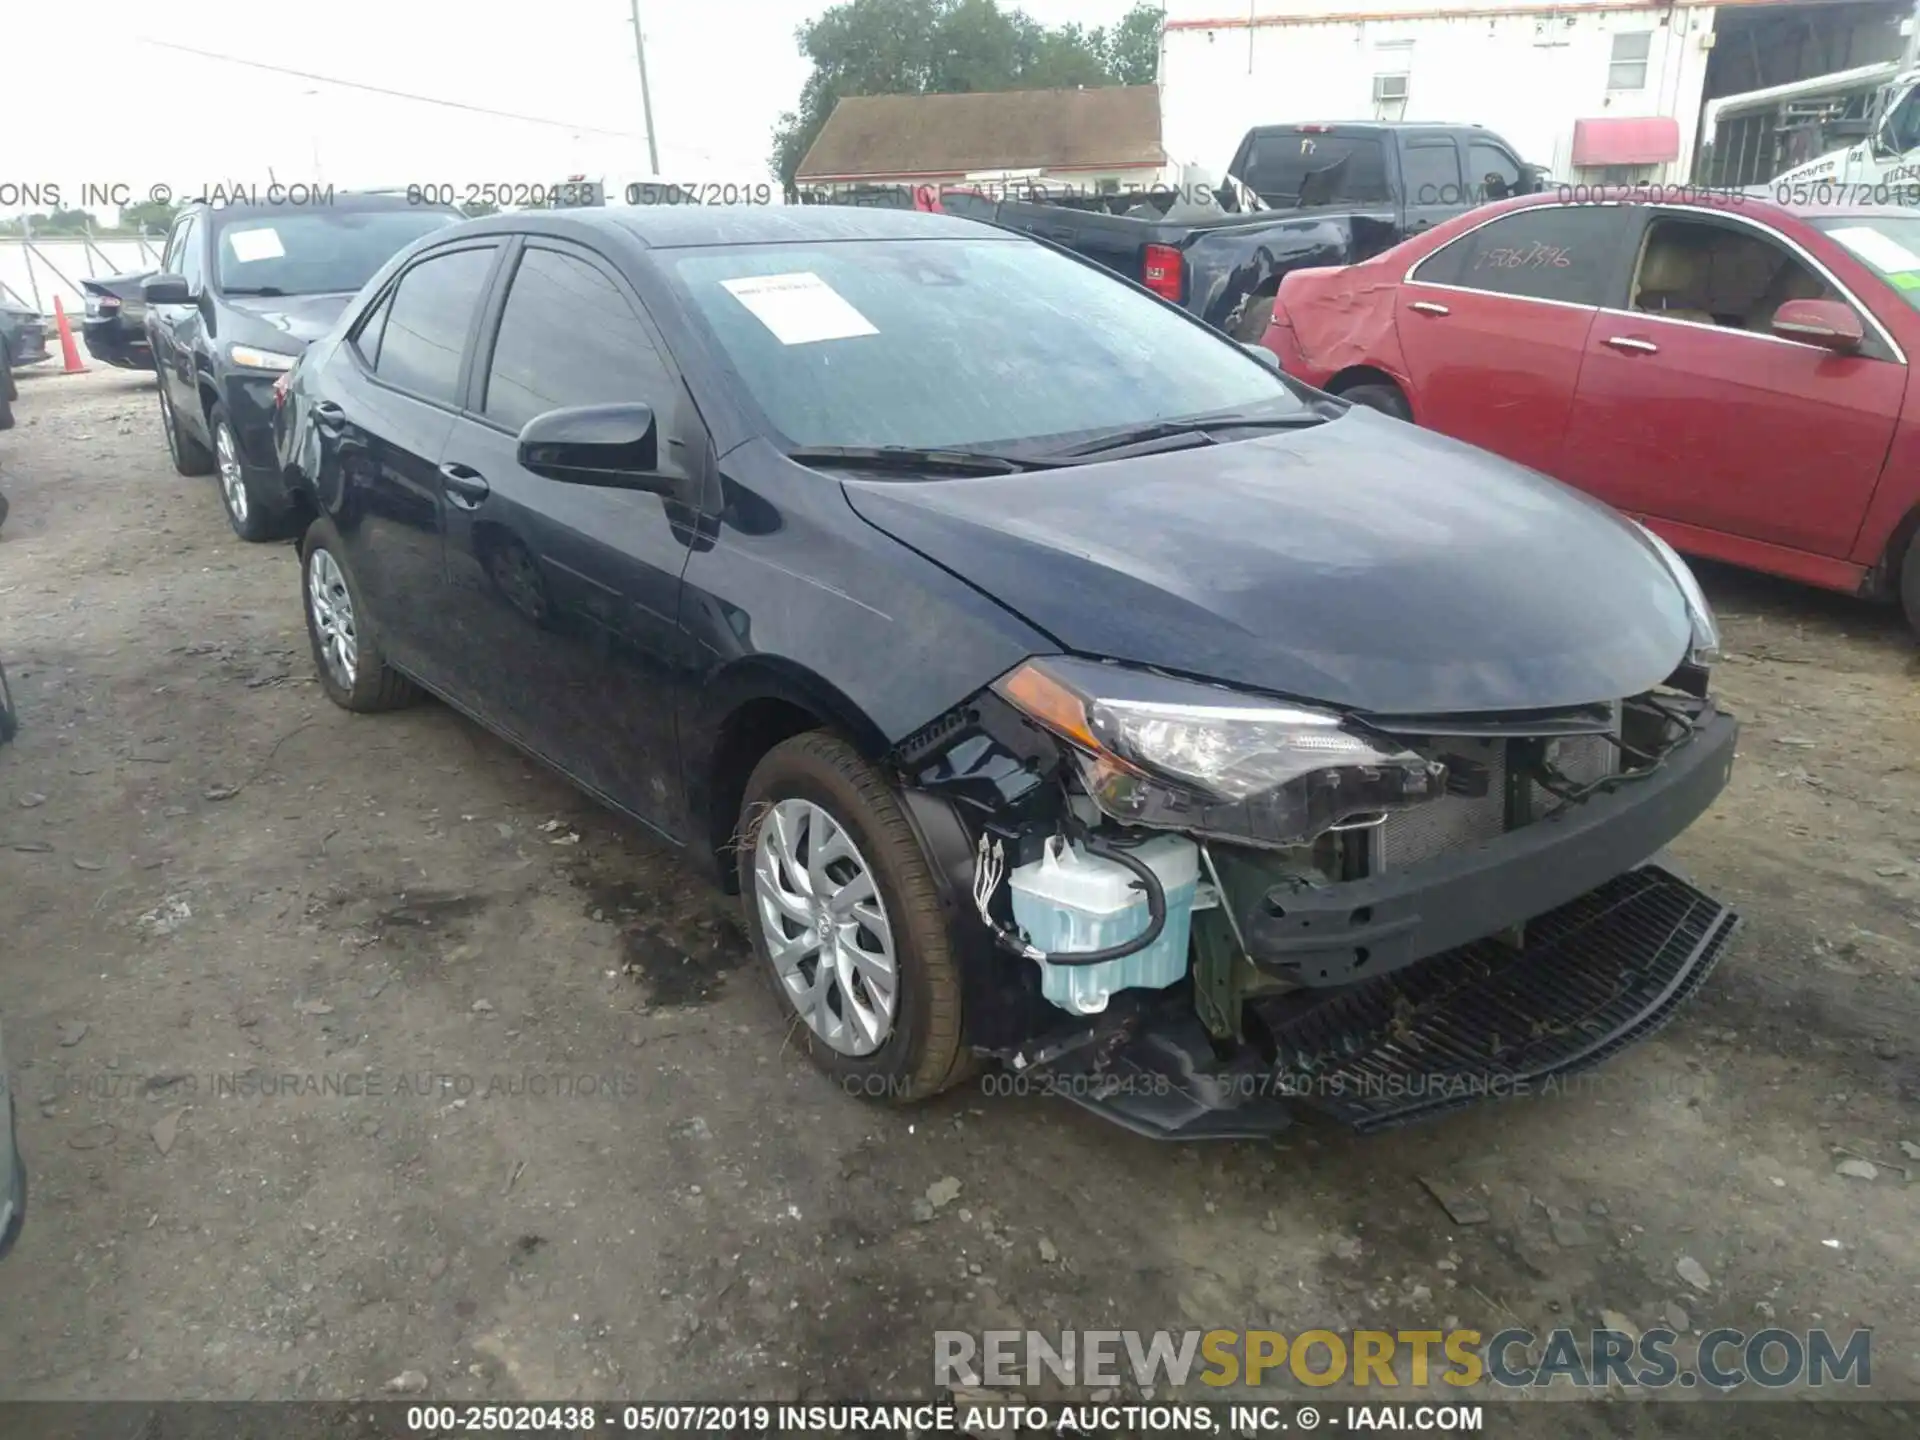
x=69, y=352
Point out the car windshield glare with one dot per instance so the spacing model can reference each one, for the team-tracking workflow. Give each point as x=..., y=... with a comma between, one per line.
x=1888, y=245
x=316, y=252
x=953, y=343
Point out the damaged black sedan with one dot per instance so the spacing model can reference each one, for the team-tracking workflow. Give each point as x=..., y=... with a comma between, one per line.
x=1061, y=686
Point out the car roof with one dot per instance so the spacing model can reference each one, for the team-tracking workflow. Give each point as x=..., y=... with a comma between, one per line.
x=1759, y=202
x=662, y=227
x=320, y=198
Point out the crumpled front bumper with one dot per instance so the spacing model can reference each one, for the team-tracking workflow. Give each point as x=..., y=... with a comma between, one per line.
x=1341, y=934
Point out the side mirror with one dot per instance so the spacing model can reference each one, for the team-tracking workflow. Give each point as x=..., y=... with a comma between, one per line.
x=1826, y=323
x=1265, y=356
x=616, y=446
x=166, y=290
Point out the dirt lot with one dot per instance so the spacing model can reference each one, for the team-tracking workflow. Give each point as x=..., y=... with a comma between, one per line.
x=578, y=1159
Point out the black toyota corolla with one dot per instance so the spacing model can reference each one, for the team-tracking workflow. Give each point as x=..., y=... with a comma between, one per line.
x=1060, y=685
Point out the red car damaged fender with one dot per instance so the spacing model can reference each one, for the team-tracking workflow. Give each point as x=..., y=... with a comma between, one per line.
x=1732, y=371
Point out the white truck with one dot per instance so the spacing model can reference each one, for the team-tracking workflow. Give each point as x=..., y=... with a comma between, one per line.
x=1886, y=159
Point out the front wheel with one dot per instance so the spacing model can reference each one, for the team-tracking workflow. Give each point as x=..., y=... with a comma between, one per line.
x=9, y=717
x=846, y=921
x=251, y=517
x=1910, y=584
x=352, y=669
x=1387, y=399
x=189, y=456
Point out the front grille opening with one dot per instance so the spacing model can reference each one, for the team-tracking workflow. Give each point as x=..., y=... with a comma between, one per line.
x=1496, y=794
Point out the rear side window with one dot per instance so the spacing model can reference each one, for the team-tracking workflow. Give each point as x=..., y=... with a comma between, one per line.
x=1565, y=253
x=1431, y=170
x=1291, y=167
x=568, y=336
x=427, y=322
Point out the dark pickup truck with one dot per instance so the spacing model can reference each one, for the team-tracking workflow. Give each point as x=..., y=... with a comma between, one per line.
x=1296, y=195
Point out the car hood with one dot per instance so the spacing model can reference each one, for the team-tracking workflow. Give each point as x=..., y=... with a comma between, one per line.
x=1363, y=563
x=273, y=320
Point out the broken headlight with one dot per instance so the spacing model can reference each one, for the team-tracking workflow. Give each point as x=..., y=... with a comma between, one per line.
x=1177, y=755
x=1704, y=648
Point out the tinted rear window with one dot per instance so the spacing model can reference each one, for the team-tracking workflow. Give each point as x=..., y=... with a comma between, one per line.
x=1565, y=253
x=316, y=252
x=1292, y=167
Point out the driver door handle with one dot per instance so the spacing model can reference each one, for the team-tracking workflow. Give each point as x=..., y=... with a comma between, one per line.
x=1633, y=345
x=1428, y=307
x=464, y=485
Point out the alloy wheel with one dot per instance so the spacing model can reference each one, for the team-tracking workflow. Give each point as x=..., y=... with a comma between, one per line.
x=330, y=606
x=233, y=480
x=826, y=927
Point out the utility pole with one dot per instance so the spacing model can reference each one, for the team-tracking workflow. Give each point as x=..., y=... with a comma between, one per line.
x=646, y=96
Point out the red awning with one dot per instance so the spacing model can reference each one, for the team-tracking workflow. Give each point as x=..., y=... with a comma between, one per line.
x=1645, y=140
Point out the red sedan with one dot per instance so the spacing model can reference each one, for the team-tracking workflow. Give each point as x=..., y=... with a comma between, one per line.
x=1730, y=371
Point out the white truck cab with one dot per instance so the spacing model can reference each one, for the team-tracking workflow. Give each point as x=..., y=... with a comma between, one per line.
x=1890, y=155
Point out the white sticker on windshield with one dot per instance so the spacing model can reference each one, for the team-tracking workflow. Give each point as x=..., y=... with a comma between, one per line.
x=262, y=244
x=800, y=308
x=1876, y=249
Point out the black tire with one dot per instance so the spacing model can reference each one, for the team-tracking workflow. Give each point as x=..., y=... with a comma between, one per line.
x=6, y=413
x=375, y=685
x=1254, y=320
x=1910, y=584
x=1387, y=399
x=3, y=500
x=924, y=1053
x=19, y=1167
x=189, y=456
x=258, y=519
x=9, y=717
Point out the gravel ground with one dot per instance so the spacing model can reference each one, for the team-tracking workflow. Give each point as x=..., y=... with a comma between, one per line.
x=337, y=1058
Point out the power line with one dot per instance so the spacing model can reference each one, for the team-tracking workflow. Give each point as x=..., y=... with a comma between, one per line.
x=393, y=94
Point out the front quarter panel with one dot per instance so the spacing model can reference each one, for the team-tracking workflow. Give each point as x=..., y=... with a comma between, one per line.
x=791, y=594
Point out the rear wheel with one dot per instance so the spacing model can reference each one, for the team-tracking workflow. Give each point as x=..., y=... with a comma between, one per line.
x=352, y=670
x=1387, y=399
x=9, y=717
x=843, y=912
x=189, y=456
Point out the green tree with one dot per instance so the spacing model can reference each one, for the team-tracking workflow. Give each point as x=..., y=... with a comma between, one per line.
x=149, y=214
x=943, y=47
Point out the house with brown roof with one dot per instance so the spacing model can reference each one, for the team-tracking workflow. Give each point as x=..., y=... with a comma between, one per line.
x=1102, y=139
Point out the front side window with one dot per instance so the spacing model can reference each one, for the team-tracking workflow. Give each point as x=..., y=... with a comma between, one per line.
x=1565, y=253
x=1628, y=70
x=193, y=268
x=176, y=243
x=568, y=336
x=427, y=323
x=1492, y=171
x=1722, y=275
x=1900, y=131
x=316, y=252
x=956, y=342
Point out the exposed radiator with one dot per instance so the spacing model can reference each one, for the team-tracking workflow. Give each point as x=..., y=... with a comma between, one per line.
x=1455, y=822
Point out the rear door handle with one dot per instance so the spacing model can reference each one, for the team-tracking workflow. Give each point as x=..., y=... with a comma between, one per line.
x=1632, y=344
x=1427, y=307
x=463, y=485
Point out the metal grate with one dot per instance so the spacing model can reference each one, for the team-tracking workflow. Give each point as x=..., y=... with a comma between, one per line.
x=1485, y=1020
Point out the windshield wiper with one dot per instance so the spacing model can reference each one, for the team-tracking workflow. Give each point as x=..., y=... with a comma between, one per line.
x=252, y=290
x=910, y=459
x=1203, y=427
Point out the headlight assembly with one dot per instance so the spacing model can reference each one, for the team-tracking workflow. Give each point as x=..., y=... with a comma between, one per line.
x=1176, y=755
x=254, y=358
x=1704, y=648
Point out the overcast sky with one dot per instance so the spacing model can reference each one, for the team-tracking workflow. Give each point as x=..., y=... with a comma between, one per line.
x=92, y=99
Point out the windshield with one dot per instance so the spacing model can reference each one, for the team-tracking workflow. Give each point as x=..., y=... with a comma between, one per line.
x=316, y=252
x=1887, y=245
x=962, y=342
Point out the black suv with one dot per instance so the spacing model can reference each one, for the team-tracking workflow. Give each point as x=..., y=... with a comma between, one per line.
x=240, y=291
